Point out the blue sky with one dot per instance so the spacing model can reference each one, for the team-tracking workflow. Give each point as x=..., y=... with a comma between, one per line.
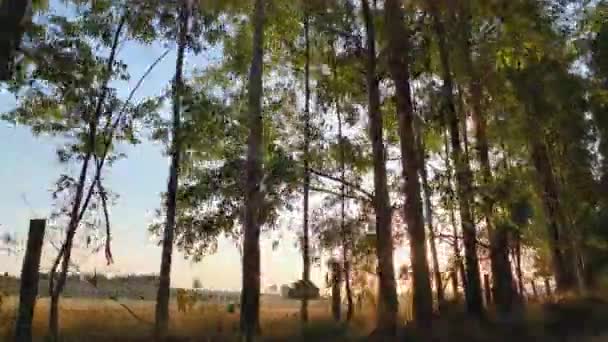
x=29, y=168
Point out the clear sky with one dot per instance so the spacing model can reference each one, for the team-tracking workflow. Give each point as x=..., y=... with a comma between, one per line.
x=29, y=168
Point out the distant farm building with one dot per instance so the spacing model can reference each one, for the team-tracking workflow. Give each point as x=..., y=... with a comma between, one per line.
x=300, y=290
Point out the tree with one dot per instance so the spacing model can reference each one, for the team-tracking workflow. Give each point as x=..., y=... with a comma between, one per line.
x=250, y=293
x=162, y=299
x=398, y=63
x=388, y=306
x=463, y=173
x=306, y=185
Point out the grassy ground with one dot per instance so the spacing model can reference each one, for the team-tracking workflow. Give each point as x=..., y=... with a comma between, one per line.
x=106, y=320
x=93, y=320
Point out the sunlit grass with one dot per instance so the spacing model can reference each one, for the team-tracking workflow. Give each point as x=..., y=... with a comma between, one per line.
x=91, y=320
x=106, y=320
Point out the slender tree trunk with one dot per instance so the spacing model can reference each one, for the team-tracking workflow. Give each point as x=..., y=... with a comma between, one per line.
x=305, y=237
x=387, y=301
x=336, y=284
x=250, y=292
x=463, y=176
x=161, y=326
x=398, y=43
x=502, y=277
x=346, y=236
x=426, y=191
x=458, y=264
x=520, y=276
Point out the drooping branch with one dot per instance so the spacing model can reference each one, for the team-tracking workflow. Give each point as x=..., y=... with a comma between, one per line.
x=104, y=202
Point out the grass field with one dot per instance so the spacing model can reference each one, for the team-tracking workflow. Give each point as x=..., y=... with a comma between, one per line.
x=93, y=320
x=106, y=320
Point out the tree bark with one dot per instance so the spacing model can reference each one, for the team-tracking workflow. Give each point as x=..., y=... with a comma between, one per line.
x=336, y=298
x=398, y=62
x=29, y=281
x=463, y=175
x=387, y=305
x=520, y=276
x=161, y=326
x=250, y=292
x=306, y=189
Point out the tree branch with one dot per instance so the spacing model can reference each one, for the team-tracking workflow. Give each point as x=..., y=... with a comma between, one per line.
x=368, y=194
x=331, y=192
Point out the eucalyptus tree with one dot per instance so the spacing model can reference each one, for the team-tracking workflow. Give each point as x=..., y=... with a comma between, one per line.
x=388, y=304
x=463, y=172
x=250, y=297
x=162, y=299
x=397, y=36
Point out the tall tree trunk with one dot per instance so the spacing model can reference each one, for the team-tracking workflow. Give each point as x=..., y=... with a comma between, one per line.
x=463, y=175
x=398, y=45
x=250, y=292
x=458, y=264
x=387, y=301
x=161, y=326
x=305, y=237
x=346, y=234
x=502, y=277
x=426, y=191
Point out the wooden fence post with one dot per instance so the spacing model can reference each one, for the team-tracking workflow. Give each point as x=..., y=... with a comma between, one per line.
x=487, y=289
x=454, y=278
x=29, y=281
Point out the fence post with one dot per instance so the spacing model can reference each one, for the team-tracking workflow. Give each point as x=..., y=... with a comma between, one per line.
x=454, y=279
x=547, y=289
x=487, y=289
x=29, y=281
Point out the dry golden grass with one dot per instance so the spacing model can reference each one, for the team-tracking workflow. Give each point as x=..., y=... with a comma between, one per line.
x=106, y=320
x=93, y=320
